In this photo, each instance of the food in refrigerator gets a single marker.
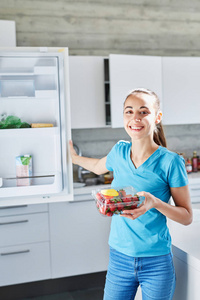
(23, 169)
(13, 122)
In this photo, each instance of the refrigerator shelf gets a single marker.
(30, 131)
(38, 70)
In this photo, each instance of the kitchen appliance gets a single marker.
(34, 86)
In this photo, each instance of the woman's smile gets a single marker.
(136, 128)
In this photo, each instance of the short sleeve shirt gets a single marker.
(147, 235)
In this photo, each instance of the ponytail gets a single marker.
(159, 135)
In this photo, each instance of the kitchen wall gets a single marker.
(154, 27)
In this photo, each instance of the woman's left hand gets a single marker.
(148, 203)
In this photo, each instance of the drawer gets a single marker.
(16, 230)
(30, 262)
(22, 209)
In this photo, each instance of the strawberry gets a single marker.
(112, 207)
(102, 209)
(133, 206)
(109, 214)
(108, 201)
(127, 199)
(122, 193)
(120, 206)
(99, 196)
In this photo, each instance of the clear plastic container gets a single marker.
(115, 200)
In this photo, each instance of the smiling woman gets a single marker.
(140, 242)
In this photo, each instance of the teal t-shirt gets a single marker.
(147, 235)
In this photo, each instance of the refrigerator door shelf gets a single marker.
(29, 131)
(39, 186)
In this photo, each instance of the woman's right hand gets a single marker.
(72, 151)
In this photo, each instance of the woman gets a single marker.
(140, 243)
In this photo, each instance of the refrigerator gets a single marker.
(35, 165)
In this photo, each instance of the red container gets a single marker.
(113, 201)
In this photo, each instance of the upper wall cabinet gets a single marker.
(181, 77)
(129, 72)
(7, 33)
(86, 75)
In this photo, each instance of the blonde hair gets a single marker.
(158, 136)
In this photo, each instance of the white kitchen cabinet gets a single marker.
(7, 33)
(128, 72)
(79, 238)
(24, 263)
(180, 77)
(187, 277)
(86, 75)
(21, 229)
(194, 187)
(24, 244)
(34, 87)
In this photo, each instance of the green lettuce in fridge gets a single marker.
(13, 122)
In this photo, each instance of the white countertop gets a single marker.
(88, 189)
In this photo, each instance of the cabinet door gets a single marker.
(187, 278)
(7, 33)
(86, 75)
(128, 72)
(181, 103)
(79, 239)
(24, 263)
(22, 229)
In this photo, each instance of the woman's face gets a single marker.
(140, 116)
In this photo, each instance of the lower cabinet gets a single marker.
(39, 242)
(79, 238)
(24, 244)
(24, 263)
(187, 277)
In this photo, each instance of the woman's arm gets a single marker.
(181, 212)
(95, 165)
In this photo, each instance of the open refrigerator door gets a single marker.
(35, 126)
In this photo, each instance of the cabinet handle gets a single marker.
(195, 189)
(15, 252)
(14, 222)
(16, 206)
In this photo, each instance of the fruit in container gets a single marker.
(115, 200)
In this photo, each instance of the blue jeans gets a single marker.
(155, 275)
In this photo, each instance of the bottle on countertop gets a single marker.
(194, 162)
(198, 162)
(188, 166)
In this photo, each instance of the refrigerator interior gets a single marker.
(33, 88)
